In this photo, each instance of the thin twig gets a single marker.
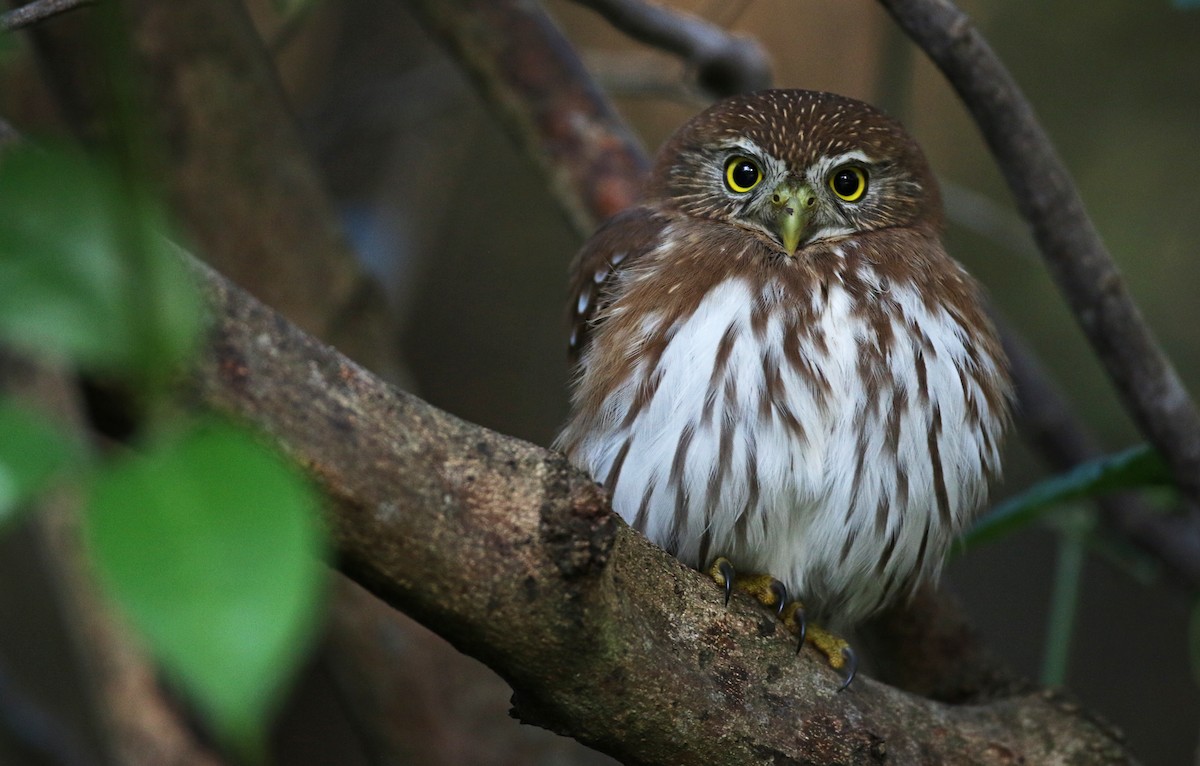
(724, 63)
(644, 74)
(39, 10)
(1070, 244)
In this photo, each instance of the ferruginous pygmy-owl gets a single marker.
(777, 362)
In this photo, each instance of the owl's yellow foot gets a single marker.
(771, 593)
(835, 648)
(765, 588)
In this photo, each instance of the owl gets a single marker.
(778, 368)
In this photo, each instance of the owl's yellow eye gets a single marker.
(848, 182)
(742, 174)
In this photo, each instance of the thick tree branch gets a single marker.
(1069, 242)
(514, 556)
(724, 63)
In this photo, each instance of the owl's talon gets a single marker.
(779, 590)
(850, 669)
(794, 619)
(773, 593)
(840, 655)
(722, 571)
(801, 627)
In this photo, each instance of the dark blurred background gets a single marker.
(473, 251)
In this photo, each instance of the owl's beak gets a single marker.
(793, 204)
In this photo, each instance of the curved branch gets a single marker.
(1070, 244)
(504, 549)
(539, 89)
(724, 63)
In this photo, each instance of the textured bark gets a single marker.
(512, 555)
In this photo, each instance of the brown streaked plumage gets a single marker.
(777, 361)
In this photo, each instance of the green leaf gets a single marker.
(31, 452)
(212, 546)
(1136, 467)
(86, 268)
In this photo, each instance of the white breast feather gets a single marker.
(797, 529)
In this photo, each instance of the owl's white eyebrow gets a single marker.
(854, 156)
(747, 146)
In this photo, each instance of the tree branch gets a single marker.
(40, 10)
(724, 63)
(514, 556)
(1070, 244)
(539, 89)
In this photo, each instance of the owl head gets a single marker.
(796, 167)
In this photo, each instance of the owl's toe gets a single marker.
(765, 589)
(773, 593)
(722, 571)
(794, 619)
(779, 592)
(837, 651)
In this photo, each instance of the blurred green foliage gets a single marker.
(211, 541)
(208, 541)
(1057, 499)
(31, 453)
(87, 270)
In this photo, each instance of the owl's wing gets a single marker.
(618, 244)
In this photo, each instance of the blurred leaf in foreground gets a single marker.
(212, 545)
(31, 452)
(86, 267)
